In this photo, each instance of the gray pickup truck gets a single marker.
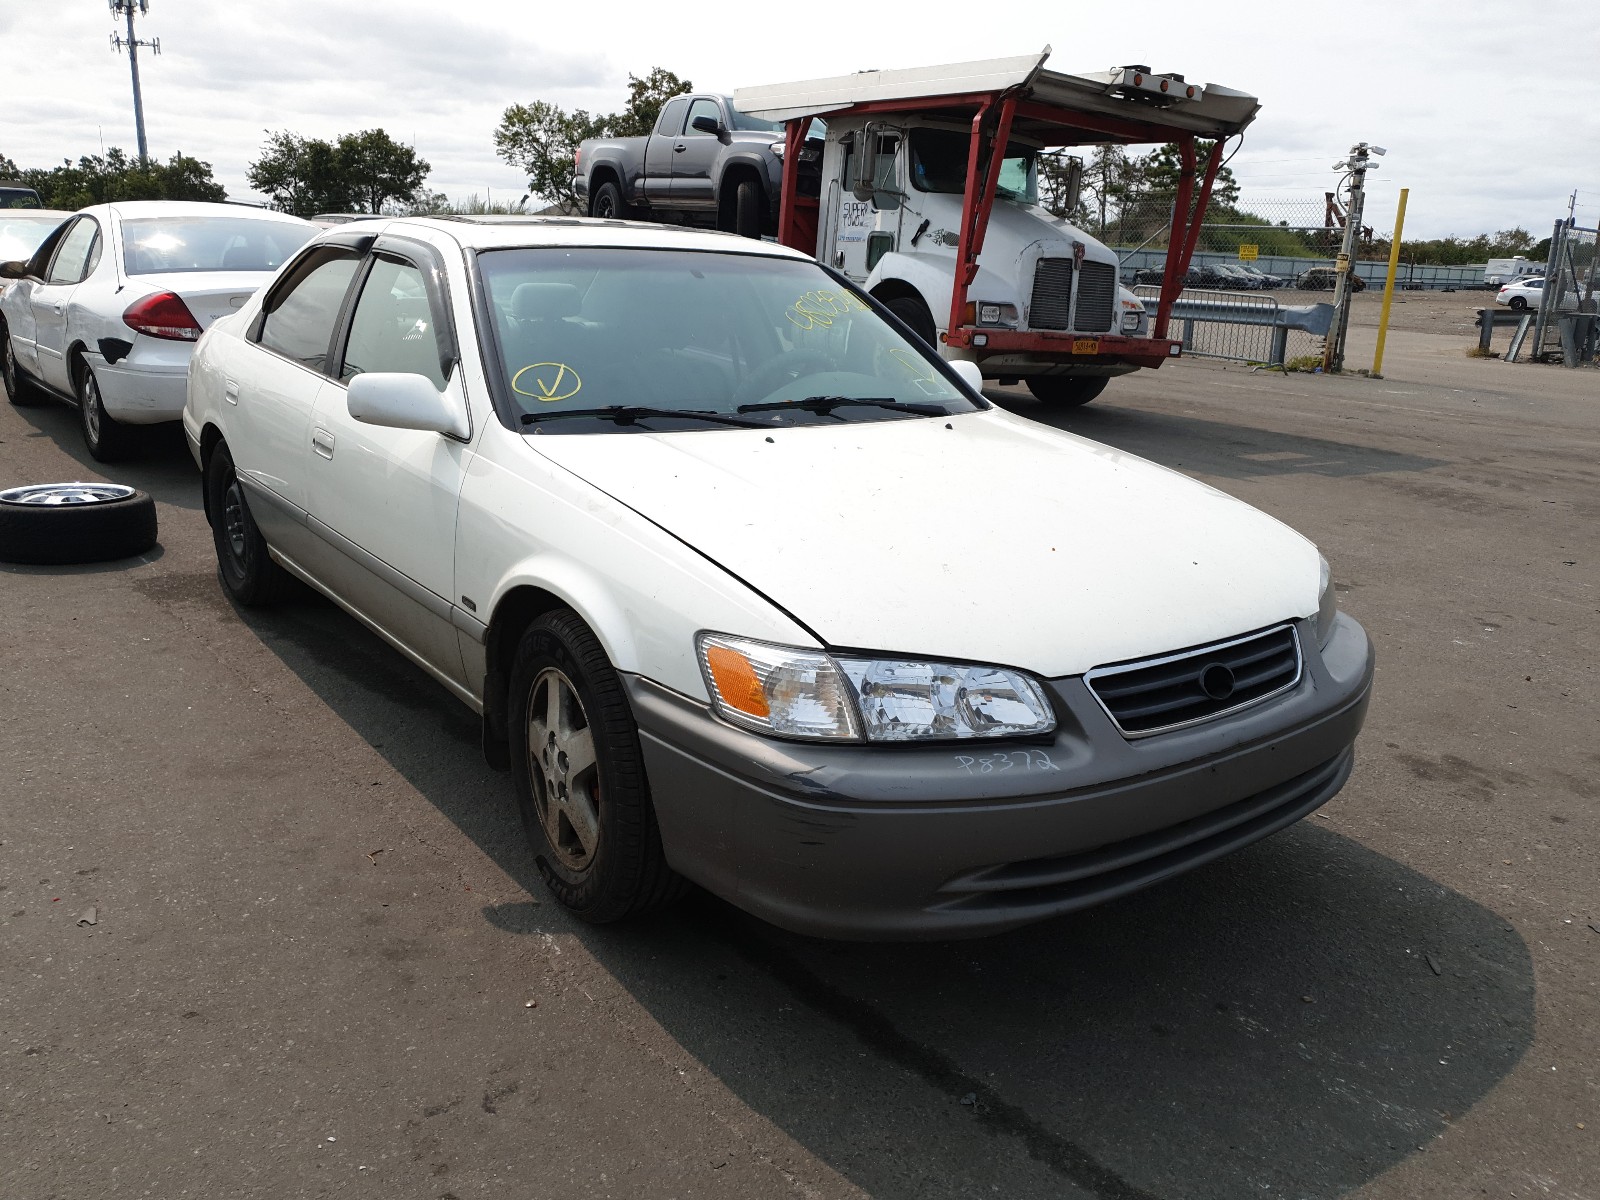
(705, 163)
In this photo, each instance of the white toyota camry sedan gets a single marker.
(106, 312)
(751, 589)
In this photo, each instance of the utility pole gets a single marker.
(1358, 165)
(125, 8)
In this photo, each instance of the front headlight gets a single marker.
(1327, 603)
(797, 693)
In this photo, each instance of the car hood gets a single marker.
(984, 537)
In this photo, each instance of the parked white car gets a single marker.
(752, 589)
(105, 313)
(1522, 294)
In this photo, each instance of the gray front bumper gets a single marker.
(960, 839)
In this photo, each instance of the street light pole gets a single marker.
(125, 8)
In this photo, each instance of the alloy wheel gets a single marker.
(561, 762)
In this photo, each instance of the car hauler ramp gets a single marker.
(1005, 97)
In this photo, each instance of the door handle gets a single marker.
(230, 391)
(322, 442)
(679, 148)
(57, 307)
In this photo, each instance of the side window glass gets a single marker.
(300, 323)
(72, 257)
(702, 108)
(671, 123)
(392, 328)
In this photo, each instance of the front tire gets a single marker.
(1065, 391)
(915, 314)
(19, 389)
(580, 776)
(244, 566)
(1518, 302)
(747, 209)
(107, 438)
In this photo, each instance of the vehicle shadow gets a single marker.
(1290, 1021)
(1215, 448)
(162, 467)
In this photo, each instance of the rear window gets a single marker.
(22, 232)
(160, 245)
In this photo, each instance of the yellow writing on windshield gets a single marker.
(822, 308)
(551, 381)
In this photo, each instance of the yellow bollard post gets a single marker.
(1388, 285)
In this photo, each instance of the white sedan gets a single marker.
(105, 313)
(1521, 294)
(752, 589)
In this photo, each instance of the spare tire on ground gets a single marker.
(58, 523)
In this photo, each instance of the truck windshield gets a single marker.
(939, 164)
(776, 341)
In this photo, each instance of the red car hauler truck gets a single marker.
(929, 201)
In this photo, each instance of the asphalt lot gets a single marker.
(319, 931)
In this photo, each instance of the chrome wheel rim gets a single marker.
(233, 520)
(8, 366)
(562, 768)
(91, 408)
(52, 495)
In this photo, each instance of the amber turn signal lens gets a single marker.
(736, 681)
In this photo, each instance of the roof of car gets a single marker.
(133, 210)
(496, 230)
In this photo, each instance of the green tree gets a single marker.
(542, 138)
(645, 98)
(8, 169)
(360, 171)
(1162, 168)
(375, 169)
(98, 179)
(300, 175)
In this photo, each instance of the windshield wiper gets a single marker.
(627, 414)
(826, 404)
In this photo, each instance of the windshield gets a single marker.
(753, 124)
(586, 328)
(22, 232)
(158, 245)
(939, 164)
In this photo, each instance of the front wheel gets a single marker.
(580, 776)
(915, 314)
(1518, 302)
(1066, 391)
(747, 209)
(19, 389)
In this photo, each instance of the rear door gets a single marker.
(661, 150)
(386, 499)
(74, 258)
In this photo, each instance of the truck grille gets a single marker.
(1196, 685)
(1097, 297)
(1051, 306)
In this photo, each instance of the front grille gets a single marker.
(1195, 685)
(1051, 306)
(1097, 297)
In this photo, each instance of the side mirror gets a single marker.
(404, 401)
(13, 270)
(969, 373)
(707, 125)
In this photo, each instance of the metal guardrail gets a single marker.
(1242, 326)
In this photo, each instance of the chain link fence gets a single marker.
(1267, 244)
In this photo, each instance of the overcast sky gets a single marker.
(1451, 89)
